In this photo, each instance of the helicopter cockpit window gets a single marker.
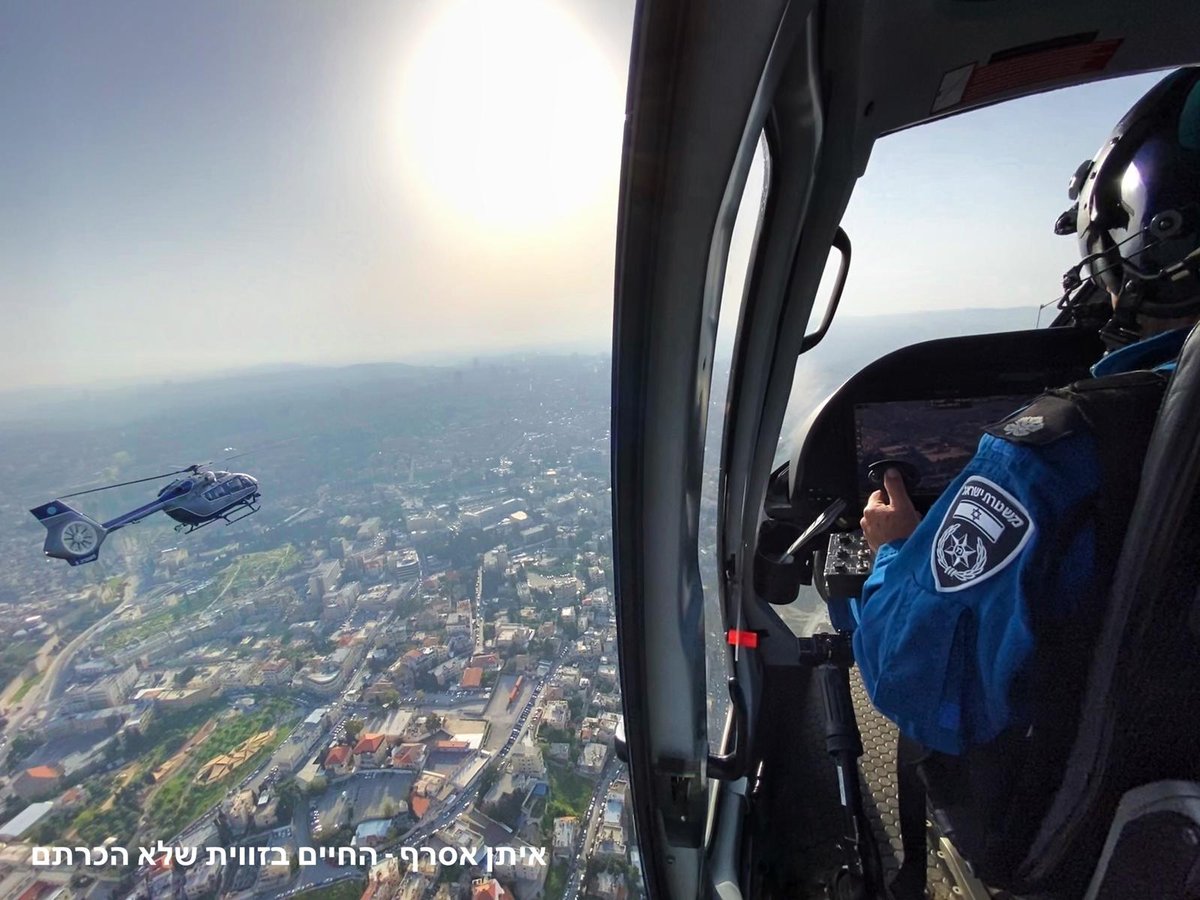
(219, 491)
(741, 242)
(928, 265)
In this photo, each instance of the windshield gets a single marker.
(952, 231)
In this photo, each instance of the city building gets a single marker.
(608, 886)
(488, 889)
(410, 757)
(370, 751)
(408, 564)
(338, 761)
(525, 758)
(38, 782)
(277, 672)
(558, 714)
(566, 835)
(372, 832)
(16, 827)
(592, 759)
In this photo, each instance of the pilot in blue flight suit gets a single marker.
(956, 603)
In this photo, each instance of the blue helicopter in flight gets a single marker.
(198, 498)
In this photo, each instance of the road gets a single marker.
(587, 834)
(50, 686)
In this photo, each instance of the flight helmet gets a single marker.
(1136, 210)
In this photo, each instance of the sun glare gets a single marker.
(512, 117)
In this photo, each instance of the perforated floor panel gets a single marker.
(881, 795)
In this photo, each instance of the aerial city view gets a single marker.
(316, 595)
(446, 452)
(404, 662)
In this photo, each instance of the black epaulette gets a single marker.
(1126, 403)
(1043, 421)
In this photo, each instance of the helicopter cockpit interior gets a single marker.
(804, 794)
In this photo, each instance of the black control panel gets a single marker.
(848, 562)
(922, 409)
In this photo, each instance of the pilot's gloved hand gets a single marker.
(889, 514)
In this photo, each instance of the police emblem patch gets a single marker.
(1024, 425)
(984, 529)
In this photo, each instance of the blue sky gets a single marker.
(192, 187)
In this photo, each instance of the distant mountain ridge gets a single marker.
(852, 342)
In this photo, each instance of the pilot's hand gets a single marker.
(889, 514)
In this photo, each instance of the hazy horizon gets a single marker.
(193, 189)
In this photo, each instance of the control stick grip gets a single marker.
(908, 472)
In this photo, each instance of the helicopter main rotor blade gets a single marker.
(261, 447)
(109, 487)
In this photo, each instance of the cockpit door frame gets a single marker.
(697, 105)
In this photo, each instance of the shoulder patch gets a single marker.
(984, 529)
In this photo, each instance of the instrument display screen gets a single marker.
(938, 437)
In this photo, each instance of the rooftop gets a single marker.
(368, 743)
(24, 820)
(44, 772)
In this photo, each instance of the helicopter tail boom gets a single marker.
(70, 535)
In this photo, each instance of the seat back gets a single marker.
(1153, 848)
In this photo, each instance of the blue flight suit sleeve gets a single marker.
(948, 616)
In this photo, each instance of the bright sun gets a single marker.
(512, 116)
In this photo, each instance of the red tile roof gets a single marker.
(420, 806)
(407, 755)
(36, 890)
(489, 890)
(368, 743)
(337, 756)
(472, 677)
(44, 772)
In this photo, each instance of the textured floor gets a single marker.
(880, 793)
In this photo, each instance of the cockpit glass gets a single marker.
(741, 239)
(952, 234)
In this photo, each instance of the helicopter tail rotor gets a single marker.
(70, 535)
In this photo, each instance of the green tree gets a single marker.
(288, 792)
(22, 746)
(354, 728)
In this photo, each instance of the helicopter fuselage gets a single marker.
(208, 496)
